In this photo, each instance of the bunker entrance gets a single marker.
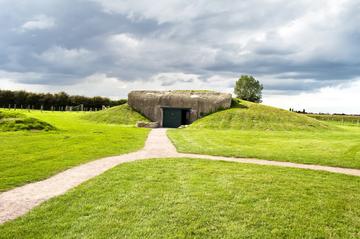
(174, 117)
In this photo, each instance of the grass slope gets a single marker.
(28, 156)
(249, 116)
(14, 121)
(190, 198)
(122, 114)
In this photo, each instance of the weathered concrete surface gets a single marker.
(150, 103)
(150, 125)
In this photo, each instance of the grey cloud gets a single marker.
(208, 38)
(170, 82)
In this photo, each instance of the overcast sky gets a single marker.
(305, 52)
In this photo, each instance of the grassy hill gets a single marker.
(122, 114)
(245, 115)
(14, 121)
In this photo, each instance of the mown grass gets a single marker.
(191, 198)
(246, 115)
(14, 121)
(260, 131)
(122, 114)
(334, 148)
(28, 156)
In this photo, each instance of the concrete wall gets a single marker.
(149, 103)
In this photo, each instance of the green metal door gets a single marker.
(171, 117)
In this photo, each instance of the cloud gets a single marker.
(292, 47)
(124, 40)
(63, 56)
(92, 85)
(17, 76)
(39, 22)
(341, 98)
(163, 11)
(172, 78)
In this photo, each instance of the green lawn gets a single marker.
(331, 147)
(260, 131)
(28, 156)
(191, 198)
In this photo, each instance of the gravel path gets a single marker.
(18, 201)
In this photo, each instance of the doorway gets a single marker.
(174, 117)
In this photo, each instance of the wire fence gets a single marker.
(343, 119)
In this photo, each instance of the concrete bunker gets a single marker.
(174, 108)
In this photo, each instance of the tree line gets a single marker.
(57, 101)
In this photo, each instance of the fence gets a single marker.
(343, 119)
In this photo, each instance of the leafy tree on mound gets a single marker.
(247, 88)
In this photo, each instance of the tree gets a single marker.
(247, 88)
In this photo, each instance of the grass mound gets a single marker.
(245, 115)
(13, 121)
(122, 114)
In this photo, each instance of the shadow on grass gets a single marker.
(236, 103)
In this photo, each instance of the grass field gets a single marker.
(334, 148)
(190, 198)
(259, 131)
(28, 156)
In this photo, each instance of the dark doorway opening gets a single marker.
(174, 117)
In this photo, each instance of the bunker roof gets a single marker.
(205, 94)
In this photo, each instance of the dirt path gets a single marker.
(18, 201)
